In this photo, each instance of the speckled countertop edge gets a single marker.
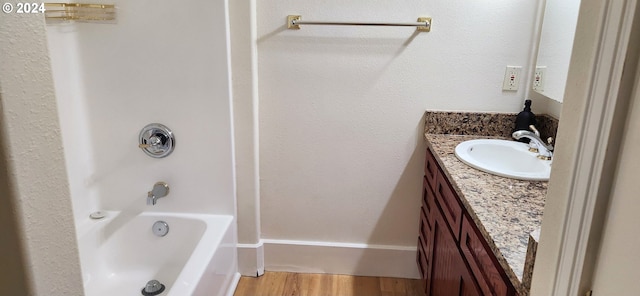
(505, 210)
(483, 123)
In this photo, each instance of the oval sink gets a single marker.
(504, 158)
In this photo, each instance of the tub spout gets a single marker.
(151, 199)
(160, 189)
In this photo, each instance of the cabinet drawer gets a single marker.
(426, 273)
(449, 204)
(482, 264)
(425, 226)
(428, 201)
(430, 169)
(426, 236)
(421, 259)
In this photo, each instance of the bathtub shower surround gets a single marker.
(112, 79)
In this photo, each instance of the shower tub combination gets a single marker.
(114, 78)
(120, 254)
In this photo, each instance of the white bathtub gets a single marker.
(120, 254)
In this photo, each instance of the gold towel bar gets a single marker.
(86, 12)
(422, 25)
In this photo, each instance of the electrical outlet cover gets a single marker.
(511, 78)
(538, 78)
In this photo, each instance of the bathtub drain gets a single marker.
(153, 288)
(160, 228)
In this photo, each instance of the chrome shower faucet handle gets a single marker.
(156, 140)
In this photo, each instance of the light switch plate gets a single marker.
(511, 78)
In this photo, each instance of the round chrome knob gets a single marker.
(156, 140)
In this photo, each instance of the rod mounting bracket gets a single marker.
(291, 19)
(426, 28)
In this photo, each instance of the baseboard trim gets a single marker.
(251, 259)
(340, 258)
(233, 285)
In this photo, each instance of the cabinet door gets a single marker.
(468, 284)
(444, 263)
(480, 260)
(449, 275)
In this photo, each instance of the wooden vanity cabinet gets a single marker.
(449, 274)
(453, 257)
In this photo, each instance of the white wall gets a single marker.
(556, 43)
(242, 18)
(157, 63)
(38, 185)
(616, 270)
(245, 101)
(341, 144)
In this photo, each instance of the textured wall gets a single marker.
(341, 147)
(12, 254)
(37, 173)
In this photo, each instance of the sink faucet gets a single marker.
(533, 146)
(160, 189)
(543, 149)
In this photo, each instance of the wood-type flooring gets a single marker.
(301, 284)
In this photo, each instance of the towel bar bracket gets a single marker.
(292, 20)
(426, 27)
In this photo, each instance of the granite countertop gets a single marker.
(505, 210)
